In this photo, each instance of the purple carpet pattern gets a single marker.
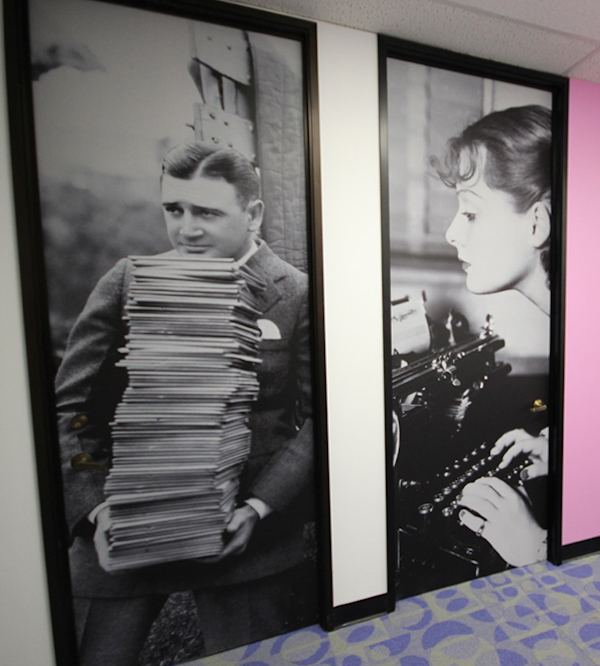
(539, 614)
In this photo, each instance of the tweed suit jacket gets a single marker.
(279, 470)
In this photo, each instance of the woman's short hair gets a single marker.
(197, 159)
(517, 144)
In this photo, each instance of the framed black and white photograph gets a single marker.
(472, 203)
(164, 160)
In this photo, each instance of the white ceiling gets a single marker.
(559, 36)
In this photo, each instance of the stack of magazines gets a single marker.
(180, 432)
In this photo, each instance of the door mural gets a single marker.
(468, 192)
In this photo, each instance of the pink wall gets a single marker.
(581, 497)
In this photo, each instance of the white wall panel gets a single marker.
(348, 89)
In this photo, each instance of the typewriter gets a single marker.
(447, 415)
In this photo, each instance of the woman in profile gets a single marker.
(500, 168)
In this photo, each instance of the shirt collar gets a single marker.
(244, 260)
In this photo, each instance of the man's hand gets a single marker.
(518, 442)
(237, 533)
(239, 530)
(101, 538)
(503, 518)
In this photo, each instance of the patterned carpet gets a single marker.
(539, 614)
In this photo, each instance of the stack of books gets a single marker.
(180, 432)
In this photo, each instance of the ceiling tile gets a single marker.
(588, 69)
(448, 26)
(577, 17)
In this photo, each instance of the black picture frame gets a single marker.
(393, 50)
(32, 248)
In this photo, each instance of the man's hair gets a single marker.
(197, 159)
(517, 144)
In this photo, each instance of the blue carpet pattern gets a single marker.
(540, 614)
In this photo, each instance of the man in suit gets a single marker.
(212, 208)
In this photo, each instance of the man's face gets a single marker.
(205, 218)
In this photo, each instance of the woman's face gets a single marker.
(494, 243)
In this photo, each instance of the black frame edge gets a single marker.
(445, 59)
(557, 333)
(392, 553)
(580, 548)
(358, 611)
(31, 267)
(244, 17)
(318, 318)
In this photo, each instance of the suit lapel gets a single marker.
(268, 267)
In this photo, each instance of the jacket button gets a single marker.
(81, 461)
(79, 421)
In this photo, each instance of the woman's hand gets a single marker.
(520, 441)
(501, 515)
